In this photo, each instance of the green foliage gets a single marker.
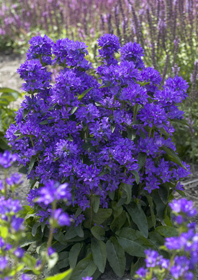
(7, 114)
(186, 132)
(111, 235)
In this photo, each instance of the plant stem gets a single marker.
(5, 183)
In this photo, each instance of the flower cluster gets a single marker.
(183, 248)
(50, 194)
(91, 133)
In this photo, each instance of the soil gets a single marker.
(10, 78)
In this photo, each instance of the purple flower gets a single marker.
(70, 53)
(87, 278)
(35, 75)
(25, 277)
(151, 258)
(51, 251)
(40, 48)
(133, 52)
(53, 191)
(14, 179)
(184, 206)
(109, 44)
(141, 272)
(3, 263)
(62, 218)
(7, 159)
(17, 223)
(19, 253)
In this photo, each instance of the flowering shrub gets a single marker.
(106, 134)
(183, 248)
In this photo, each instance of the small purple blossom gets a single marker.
(53, 191)
(51, 251)
(19, 253)
(7, 159)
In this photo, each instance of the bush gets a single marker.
(106, 132)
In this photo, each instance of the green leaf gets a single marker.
(14, 270)
(58, 247)
(23, 170)
(63, 260)
(173, 157)
(135, 266)
(138, 216)
(32, 161)
(3, 144)
(79, 230)
(3, 232)
(150, 201)
(74, 253)
(84, 93)
(61, 276)
(98, 232)
(156, 239)
(95, 203)
(99, 253)
(29, 239)
(85, 267)
(73, 110)
(71, 233)
(9, 90)
(132, 247)
(113, 128)
(129, 233)
(137, 177)
(163, 193)
(35, 227)
(101, 215)
(181, 193)
(96, 218)
(117, 210)
(127, 188)
(167, 231)
(118, 222)
(29, 261)
(141, 159)
(122, 201)
(44, 122)
(116, 256)
(160, 206)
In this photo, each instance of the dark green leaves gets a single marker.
(99, 253)
(98, 232)
(74, 253)
(138, 216)
(86, 267)
(116, 256)
(167, 231)
(132, 247)
(96, 218)
(141, 159)
(172, 156)
(137, 177)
